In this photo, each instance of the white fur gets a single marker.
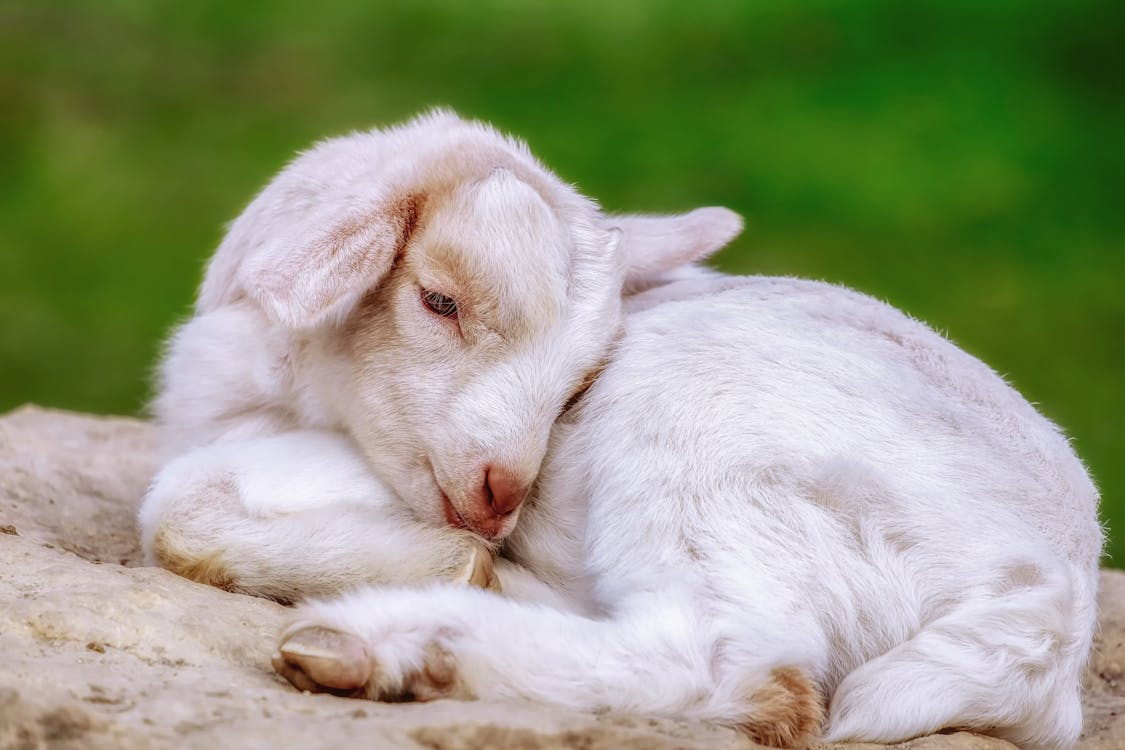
(776, 472)
(769, 473)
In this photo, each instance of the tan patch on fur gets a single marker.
(408, 215)
(209, 569)
(1022, 576)
(786, 711)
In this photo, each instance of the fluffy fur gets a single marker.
(779, 501)
(322, 425)
(775, 474)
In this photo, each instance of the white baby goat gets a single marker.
(781, 506)
(781, 502)
(399, 314)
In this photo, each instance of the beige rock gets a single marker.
(99, 652)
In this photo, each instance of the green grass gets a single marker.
(963, 160)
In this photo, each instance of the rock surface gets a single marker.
(99, 652)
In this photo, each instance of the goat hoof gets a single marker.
(320, 660)
(438, 677)
(479, 570)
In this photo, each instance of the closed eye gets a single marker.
(439, 304)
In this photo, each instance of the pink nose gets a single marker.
(503, 490)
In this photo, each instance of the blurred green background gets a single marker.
(961, 159)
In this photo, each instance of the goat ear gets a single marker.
(652, 245)
(315, 273)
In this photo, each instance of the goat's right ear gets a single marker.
(652, 245)
(313, 270)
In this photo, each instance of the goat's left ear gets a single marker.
(652, 245)
(317, 271)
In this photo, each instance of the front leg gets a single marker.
(451, 642)
(295, 515)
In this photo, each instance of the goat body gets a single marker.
(781, 505)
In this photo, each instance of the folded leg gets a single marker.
(445, 641)
(295, 515)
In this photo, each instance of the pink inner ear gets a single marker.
(318, 283)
